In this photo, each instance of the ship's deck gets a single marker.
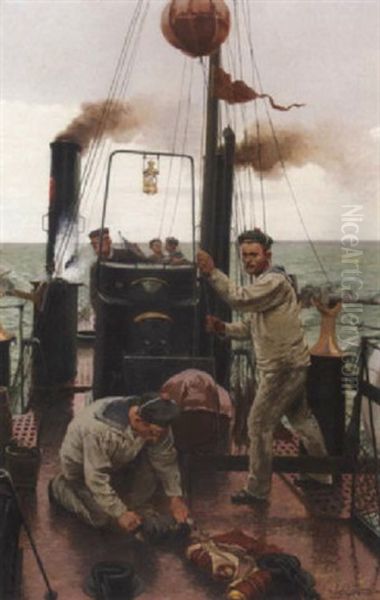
(324, 540)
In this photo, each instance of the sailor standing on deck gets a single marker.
(271, 320)
(112, 434)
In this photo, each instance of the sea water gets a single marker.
(24, 263)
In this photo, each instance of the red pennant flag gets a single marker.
(235, 92)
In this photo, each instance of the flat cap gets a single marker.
(98, 232)
(158, 411)
(172, 240)
(257, 236)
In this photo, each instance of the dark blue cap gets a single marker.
(172, 240)
(257, 236)
(98, 232)
(158, 411)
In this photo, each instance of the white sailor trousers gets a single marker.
(279, 393)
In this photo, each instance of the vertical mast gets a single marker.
(209, 174)
(216, 214)
(217, 180)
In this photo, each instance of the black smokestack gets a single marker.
(64, 195)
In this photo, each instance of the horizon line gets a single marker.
(372, 240)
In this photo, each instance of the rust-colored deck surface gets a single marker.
(342, 565)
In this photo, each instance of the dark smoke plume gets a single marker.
(345, 153)
(117, 119)
(264, 154)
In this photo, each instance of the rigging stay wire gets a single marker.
(184, 140)
(97, 142)
(65, 238)
(203, 133)
(118, 85)
(235, 68)
(231, 118)
(241, 208)
(173, 146)
(105, 145)
(244, 181)
(247, 23)
(283, 167)
(122, 69)
(186, 110)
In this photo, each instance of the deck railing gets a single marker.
(365, 505)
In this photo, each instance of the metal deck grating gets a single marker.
(366, 500)
(329, 503)
(25, 430)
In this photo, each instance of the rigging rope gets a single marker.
(252, 221)
(188, 107)
(115, 87)
(102, 146)
(97, 143)
(173, 147)
(231, 119)
(106, 144)
(247, 21)
(248, 31)
(203, 133)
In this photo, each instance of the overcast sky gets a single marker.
(57, 54)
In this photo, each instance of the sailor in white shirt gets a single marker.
(271, 320)
(107, 436)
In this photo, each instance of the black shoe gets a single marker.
(245, 497)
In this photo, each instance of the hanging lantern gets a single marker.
(150, 174)
(197, 27)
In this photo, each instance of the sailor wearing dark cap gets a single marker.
(129, 435)
(95, 233)
(256, 236)
(174, 255)
(172, 240)
(101, 242)
(270, 318)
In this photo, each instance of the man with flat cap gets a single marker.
(129, 436)
(271, 320)
(174, 255)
